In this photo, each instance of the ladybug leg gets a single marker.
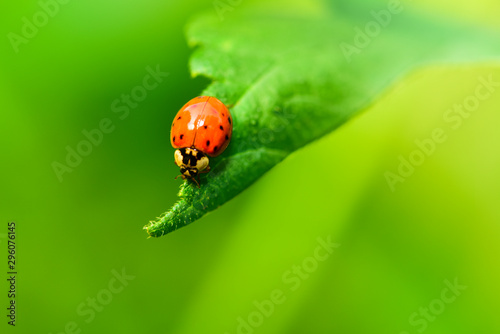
(205, 170)
(195, 181)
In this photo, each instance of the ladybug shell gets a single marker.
(203, 123)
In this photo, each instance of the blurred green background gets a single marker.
(397, 249)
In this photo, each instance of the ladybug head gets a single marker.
(191, 162)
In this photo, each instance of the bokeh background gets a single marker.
(397, 249)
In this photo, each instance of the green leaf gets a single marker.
(295, 72)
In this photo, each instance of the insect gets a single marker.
(201, 129)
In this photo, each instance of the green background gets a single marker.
(396, 250)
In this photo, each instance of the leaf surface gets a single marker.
(291, 76)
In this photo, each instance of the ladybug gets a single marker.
(201, 129)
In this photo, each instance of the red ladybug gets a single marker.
(201, 129)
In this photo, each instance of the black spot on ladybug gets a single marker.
(223, 115)
(221, 127)
(206, 127)
(173, 124)
(174, 139)
(178, 118)
(227, 137)
(182, 136)
(208, 142)
(229, 119)
(215, 148)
